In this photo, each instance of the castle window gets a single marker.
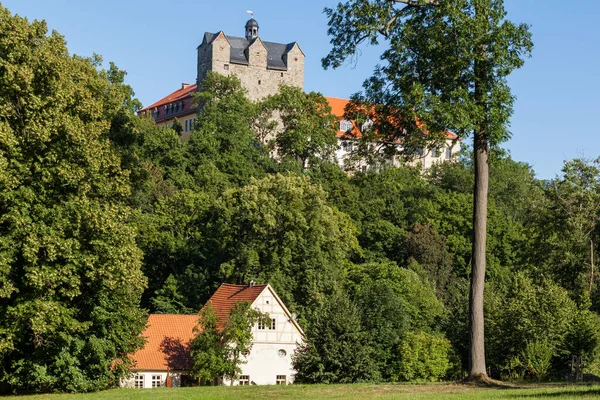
(281, 380)
(259, 82)
(244, 380)
(226, 67)
(282, 74)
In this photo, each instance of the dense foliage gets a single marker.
(104, 216)
(70, 269)
(218, 350)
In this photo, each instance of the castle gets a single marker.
(262, 67)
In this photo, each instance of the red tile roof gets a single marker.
(168, 343)
(227, 295)
(180, 94)
(339, 105)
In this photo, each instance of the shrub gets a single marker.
(423, 357)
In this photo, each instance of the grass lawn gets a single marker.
(356, 391)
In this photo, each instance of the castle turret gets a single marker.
(251, 29)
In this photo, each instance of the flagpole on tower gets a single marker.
(251, 13)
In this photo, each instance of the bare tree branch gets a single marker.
(385, 29)
(417, 3)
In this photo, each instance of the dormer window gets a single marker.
(345, 125)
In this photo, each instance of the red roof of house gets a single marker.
(227, 295)
(168, 343)
(180, 94)
(339, 105)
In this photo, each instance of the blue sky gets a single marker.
(155, 42)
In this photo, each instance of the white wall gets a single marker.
(129, 382)
(264, 362)
(426, 161)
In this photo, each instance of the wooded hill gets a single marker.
(105, 217)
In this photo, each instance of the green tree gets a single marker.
(384, 320)
(544, 312)
(70, 276)
(224, 150)
(308, 129)
(445, 68)
(237, 336)
(571, 224)
(337, 349)
(220, 347)
(206, 348)
(176, 126)
(281, 230)
(422, 357)
(168, 300)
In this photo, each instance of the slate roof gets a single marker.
(251, 23)
(168, 340)
(275, 51)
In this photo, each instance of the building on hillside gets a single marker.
(178, 104)
(165, 358)
(260, 65)
(348, 135)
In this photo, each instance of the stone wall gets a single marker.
(258, 80)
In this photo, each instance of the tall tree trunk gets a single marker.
(477, 370)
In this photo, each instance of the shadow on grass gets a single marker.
(563, 393)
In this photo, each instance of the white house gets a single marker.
(348, 136)
(165, 359)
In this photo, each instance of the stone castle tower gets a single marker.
(261, 66)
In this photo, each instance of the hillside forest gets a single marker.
(105, 217)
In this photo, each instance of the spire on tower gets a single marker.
(251, 27)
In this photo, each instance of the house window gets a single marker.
(186, 125)
(156, 381)
(282, 353)
(272, 324)
(367, 125)
(226, 67)
(282, 74)
(345, 125)
(281, 380)
(139, 381)
(436, 152)
(244, 380)
(448, 153)
(347, 145)
(261, 325)
(259, 82)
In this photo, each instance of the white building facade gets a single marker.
(164, 361)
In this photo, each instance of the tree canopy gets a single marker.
(70, 276)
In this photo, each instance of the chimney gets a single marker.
(251, 284)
